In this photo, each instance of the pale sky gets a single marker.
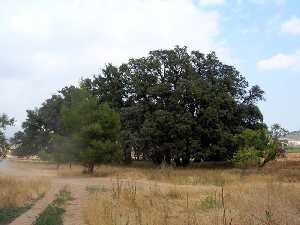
(46, 45)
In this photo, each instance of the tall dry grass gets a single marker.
(249, 200)
(285, 171)
(16, 191)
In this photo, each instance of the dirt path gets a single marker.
(77, 186)
(73, 214)
(30, 216)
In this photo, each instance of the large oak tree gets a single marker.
(174, 106)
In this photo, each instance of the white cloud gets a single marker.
(264, 2)
(291, 26)
(212, 2)
(45, 45)
(281, 61)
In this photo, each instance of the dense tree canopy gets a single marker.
(174, 106)
(93, 127)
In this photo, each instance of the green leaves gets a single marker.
(95, 128)
(277, 131)
(4, 122)
(172, 106)
(246, 157)
(258, 144)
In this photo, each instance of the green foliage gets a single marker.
(183, 106)
(246, 157)
(95, 128)
(64, 150)
(9, 214)
(271, 151)
(257, 139)
(258, 144)
(40, 125)
(276, 146)
(170, 106)
(293, 149)
(4, 122)
(277, 131)
(53, 214)
(62, 197)
(253, 145)
(45, 156)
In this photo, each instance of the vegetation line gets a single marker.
(7, 215)
(293, 149)
(53, 214)
(172, 107)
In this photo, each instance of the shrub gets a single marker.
(45, 156)
(53, 214)
(246, 157)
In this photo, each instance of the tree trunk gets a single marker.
(187, 156)
(91, 167)
(157, 159)
(177, 161)
(127, 155)
(168, 157)
(264, 163)
(186, 160)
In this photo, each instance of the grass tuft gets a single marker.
(7, 215)
(210, 202)
(53, 214)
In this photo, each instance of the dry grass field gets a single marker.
(141, 194)
(239, 203)
(16, 191)
(268, 196)
(286, 170)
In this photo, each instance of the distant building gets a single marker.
(291, 142)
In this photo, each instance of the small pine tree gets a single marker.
(94, 128)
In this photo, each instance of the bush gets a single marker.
(53, 214)
(271, 152)
(45, 156)
(246, 157)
